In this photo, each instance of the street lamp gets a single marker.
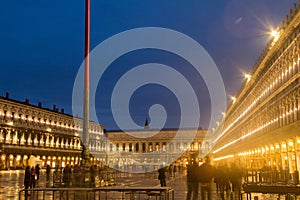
(247, 77)
(233, 99)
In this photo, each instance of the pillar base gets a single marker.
(86, 162)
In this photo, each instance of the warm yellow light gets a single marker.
(10, 123)
(247, 76)
(274, 33)
(233, 99)
(267, 148)
(223, 157)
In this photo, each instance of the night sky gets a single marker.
(42, 47)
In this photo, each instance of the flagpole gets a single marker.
(86, 102)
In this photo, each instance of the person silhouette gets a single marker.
(162, 176)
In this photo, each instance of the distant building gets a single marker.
(134, 150)
(50, 135)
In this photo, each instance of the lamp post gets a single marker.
(86, 101)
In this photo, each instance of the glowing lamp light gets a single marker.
(10, 123)
(247, 77)
(275, 35)
(233, 99)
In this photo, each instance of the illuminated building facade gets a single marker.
(52, 137)
(152, 148)
(262, 124)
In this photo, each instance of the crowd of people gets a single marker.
(31, 178)
(168, 172)
(200, 179)
(62, 177)
(228, 180)
(75, 176)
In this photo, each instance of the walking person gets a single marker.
(206, 176)
(162, 176)
(192, 181)
(27, 181)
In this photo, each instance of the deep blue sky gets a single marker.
(42, 43)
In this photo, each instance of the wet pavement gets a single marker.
(11, 182)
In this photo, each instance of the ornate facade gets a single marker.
(52, 137)
(262, 125)
(151, 148)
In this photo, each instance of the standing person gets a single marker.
(174, 170)
(92, 175)
(223, 176)
(170, 170)
(32, 181)
(37, 172)
(76, 176)
(236, 176)
(27, 180)
(67, 176)
(192, 180)
(218, 178)
(162, 176)
(48, 171)
(206, 176)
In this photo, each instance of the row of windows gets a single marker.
(273, 81)
(150, 147)
(271, 101)
(275, 72)
(278, 113)
(8, 136)
(45, 119)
